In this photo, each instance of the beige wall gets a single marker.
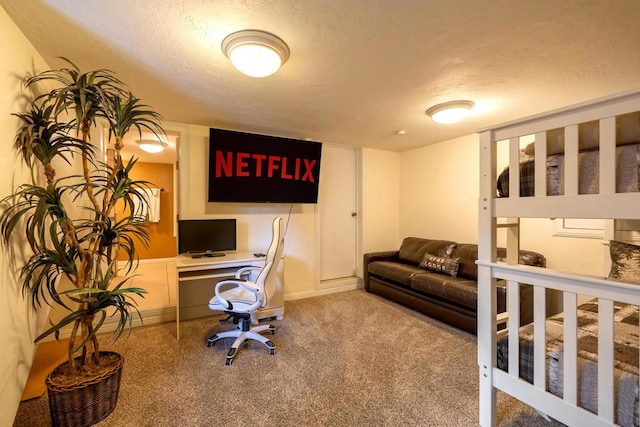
(430, 191)
(439, 199)
(253, 220)
(18, 324)
(380, 178)
(380, 200)
(439, 191)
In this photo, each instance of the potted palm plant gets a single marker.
(78, 226)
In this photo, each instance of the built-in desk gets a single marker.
(197, 278)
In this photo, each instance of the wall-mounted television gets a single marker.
(254, 168)
(206, 237)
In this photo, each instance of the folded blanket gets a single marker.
(627, 160)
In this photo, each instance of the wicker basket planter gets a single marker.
(85, 403)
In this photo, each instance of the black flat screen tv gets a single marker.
(206, 237)
(253, 168)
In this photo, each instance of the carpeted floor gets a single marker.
(346, 359)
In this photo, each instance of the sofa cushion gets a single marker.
(468, 254)
(413, 249)
(453, 289)
(394, 271)
(440, 265)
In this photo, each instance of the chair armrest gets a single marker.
(250, 286)
(245, 270)
(376, 256)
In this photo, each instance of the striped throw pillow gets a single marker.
(440, 265)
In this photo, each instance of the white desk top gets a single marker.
(231, 259)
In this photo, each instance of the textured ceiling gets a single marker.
(359, 70)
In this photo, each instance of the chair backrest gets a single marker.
(268, 276)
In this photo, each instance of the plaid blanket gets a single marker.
(527, 178)
(627, 176)
(626, 349)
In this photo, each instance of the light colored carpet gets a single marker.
(347, 359)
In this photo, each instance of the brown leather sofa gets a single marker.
(397, 276)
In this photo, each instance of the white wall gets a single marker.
(253, 220)
(380, 200)
(439, 191)
(18, 323)
(379, 216)
(439, 199)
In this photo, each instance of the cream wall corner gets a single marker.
(439, 190)
(18, 323)
(380, 200)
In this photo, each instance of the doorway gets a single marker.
(338, 218)
(156, 268)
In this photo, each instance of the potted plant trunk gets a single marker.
(78, 226)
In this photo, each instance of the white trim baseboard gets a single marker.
(149, 317)
(340, 282)
(168, 314)
(352, 285)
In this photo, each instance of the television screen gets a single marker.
(246, 167)
(206, 236)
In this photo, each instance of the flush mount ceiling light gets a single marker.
(450, 112)
(152, 146)
(255, 53)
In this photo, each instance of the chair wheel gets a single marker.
(271, 346)
(212, 340)
(272, 330)
(228, 362)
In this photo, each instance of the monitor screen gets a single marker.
(202, 236)
(253, 168)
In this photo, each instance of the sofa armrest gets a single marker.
(376, 256)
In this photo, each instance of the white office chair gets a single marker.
(240, 298)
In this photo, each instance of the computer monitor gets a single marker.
(206, 237)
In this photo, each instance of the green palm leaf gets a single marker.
(70, 223)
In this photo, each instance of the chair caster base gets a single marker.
(230, 355)
(271, 346)
(242, 337)
(212, 340)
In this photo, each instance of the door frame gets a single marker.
(356, 281)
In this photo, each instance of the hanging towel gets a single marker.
(140, 208)
(152, 196)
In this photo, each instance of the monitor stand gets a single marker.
(206, 254)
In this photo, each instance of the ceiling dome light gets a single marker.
(152, 146)
(450, 112)
(255, 53)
